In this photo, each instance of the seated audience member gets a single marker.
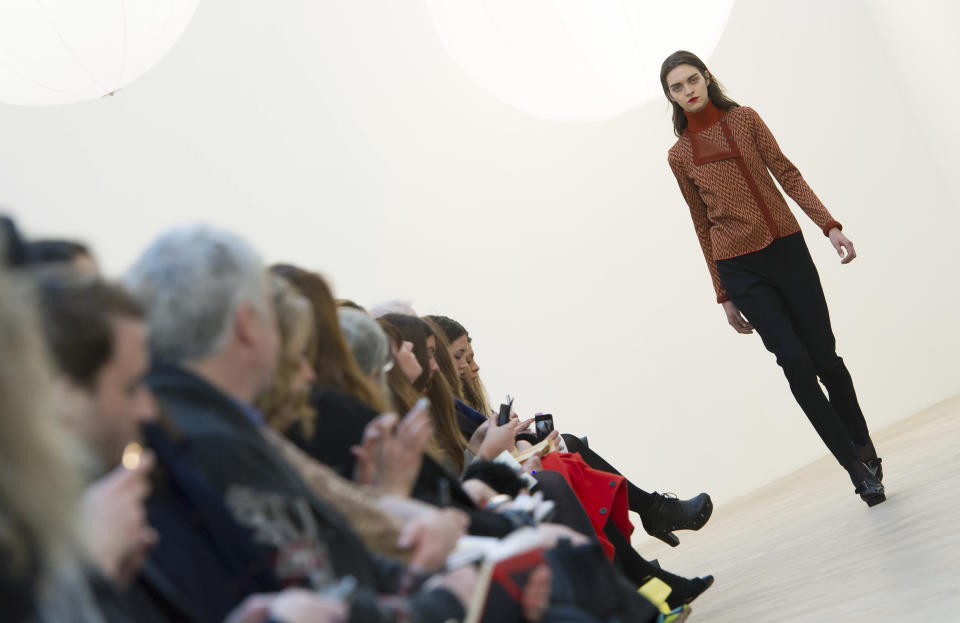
(369, 346)
(66, 252)
(660, 514)
(435, 387)
(97, 338)
(213, 334)
(343, 400)
(39, 486)
(392, 307)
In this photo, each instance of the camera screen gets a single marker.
(544, 426)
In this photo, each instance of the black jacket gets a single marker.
(308, 542)
(205, 561)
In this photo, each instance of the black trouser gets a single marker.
(778, 290)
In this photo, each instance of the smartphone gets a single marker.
(543, 424)
(505, 410)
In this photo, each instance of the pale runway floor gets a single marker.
(805, 548)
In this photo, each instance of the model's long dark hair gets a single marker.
(714, 88)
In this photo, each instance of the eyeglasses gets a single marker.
(389, 365)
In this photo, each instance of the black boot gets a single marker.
(868, 454)
(667, 514)
(684, 590)
(866, 484)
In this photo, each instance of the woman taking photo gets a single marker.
(759, 263)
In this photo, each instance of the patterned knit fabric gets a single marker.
(723, 163)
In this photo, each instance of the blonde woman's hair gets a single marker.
(280, 406)
(39, 474)
(475, 395)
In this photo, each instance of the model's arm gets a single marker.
(787, 175)
(798, 189)
(698, 211)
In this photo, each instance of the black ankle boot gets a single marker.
(686, 590)
(667, 513)
(866, 484)
(868, 454)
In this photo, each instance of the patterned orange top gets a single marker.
(723, 163)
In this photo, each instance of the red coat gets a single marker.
(603, 495)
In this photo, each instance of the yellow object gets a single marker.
(656, 592)
(131, 455)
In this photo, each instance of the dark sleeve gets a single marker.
(434, 485)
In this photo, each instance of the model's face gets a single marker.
(407, 361)
(688, 87)
(458, 352)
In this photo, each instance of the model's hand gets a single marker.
(736, 319)
(843, 246)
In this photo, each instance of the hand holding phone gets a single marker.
(505, 410)
(544, 425)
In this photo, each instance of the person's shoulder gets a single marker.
(242, 460)
(676, 151)
(744, 113)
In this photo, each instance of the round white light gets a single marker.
(63, 51)
(574, 60)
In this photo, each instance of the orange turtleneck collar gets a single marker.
(697, 121)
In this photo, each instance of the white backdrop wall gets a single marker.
(340, 136)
